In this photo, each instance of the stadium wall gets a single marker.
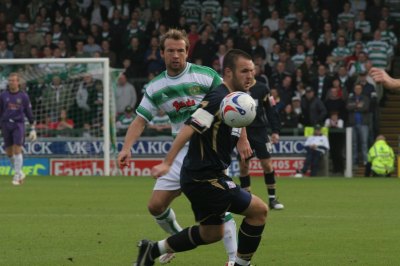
(75, 156)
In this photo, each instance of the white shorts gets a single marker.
(171, 181)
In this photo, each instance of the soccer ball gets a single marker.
(238, 109)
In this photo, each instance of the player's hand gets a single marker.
(244, 149)
(378, 75)
(123, 158)
(160, 170)
(274, 138)
(32, 135)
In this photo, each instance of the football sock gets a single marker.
(187, 239)
(18, 161)
(167, 221)
(245, 182)
(230, 239)
(11, 162)
(249, 238)
(269, 179)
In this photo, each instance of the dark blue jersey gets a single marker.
(14, 107)
(267, 116)
(209, 149)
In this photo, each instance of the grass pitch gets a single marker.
(98, 221)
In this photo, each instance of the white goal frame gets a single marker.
(106, 94)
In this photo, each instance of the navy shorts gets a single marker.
(259, 142)
(211, 198)
(13, 134)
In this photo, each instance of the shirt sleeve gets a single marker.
(28, 110)
(147, 108)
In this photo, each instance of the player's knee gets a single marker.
(259, 212)
(156, 208)
(267, 165)
(212, 236)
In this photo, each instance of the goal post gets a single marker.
(72, 70)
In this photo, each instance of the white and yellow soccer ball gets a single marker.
(238, 109)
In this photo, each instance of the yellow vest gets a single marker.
(381, 157)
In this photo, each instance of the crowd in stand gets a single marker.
(315, 55)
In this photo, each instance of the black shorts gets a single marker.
(259, 142)
(211, 198)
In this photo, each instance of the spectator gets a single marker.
(316, 146)
(208, 21)
(32, 9)
(135, 54)
(124, 120)
(345, 16)
(224, 33)
(122, 7)
(266, 40)
(91, 46)
(273, 21)
(336, 141)
(313, 109)
(256, 50)
(289, 65)
(169, 13)
(380, 158)
(154, 23)
(22, 48)
(4, 52)
(280, 34)
(152, 57)
(33, 37)
(326, 44)
(96, 12)
(289, 118)
(85, 99)
(335, 103)
(191, 10)
(106, 52)
(64, 124)
(56, 97)
(203, 49)
(322, 83)
(125, 94)
(340, 52)
(227, 16)
(379, 52)
(79, 52)
(160, 124)
(359, 119)
(359, 65)
(300, 56)
(362, 23)
(286, 91)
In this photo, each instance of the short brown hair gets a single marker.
(174, 34)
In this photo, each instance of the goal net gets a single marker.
(73, 105)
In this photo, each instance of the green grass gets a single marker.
(98, 220)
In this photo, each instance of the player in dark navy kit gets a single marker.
(14, 107)
(203, 179)
(257, 134)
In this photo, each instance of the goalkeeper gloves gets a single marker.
(32, 135)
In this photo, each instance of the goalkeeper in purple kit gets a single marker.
(14, 107)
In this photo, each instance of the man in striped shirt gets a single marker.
(379, 52)
(177, 91)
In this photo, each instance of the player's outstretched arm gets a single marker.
(380, 76)
(184, 136)
(135, 130)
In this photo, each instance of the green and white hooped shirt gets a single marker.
(178, 96)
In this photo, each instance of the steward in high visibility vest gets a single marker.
(380, 158)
